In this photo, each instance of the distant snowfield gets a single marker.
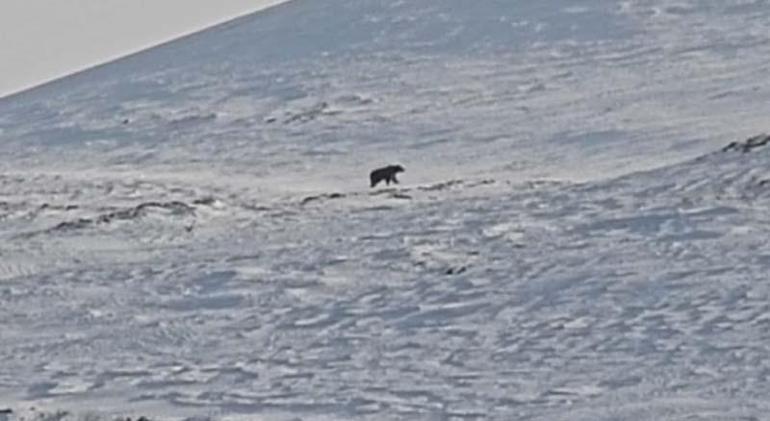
(43, 40)
(189, 232)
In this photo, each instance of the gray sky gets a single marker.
(42, 40)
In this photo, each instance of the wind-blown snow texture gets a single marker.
(189, 231)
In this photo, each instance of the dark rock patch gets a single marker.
(47, 206)
(176, 208)
(206, 201)
(321, 197)
(442, 186)
(749, 144)
(307, 115)
(72, 225)
(456, 270)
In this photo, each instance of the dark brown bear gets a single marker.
(386, 173)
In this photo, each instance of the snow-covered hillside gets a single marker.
(189, 231)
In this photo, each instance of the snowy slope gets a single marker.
(189, 231)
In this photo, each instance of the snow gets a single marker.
(189, 232)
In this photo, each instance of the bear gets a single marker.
(386, 173)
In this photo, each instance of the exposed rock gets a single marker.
(321, 196)
(456, 271)
(207, 201)
(442, 186)
(309, 114)
(176, 207)
(71, 225)
(749, 144)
